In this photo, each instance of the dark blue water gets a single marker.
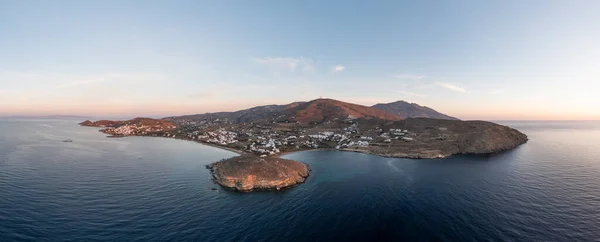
(155, 189)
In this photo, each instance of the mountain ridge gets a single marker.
(319, 110)
(411, 110)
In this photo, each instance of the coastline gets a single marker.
(427, 139)
(239, 152)
(406, 153)
(249, 171)
(279, 155)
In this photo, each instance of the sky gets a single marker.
(472, 59)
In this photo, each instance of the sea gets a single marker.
(158, 189)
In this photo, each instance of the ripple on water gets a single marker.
(154, 189)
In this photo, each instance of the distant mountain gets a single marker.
(247, 115)
(319, 110)
(322, 110)
(48, 117)
(411, 110)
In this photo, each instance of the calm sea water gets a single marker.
(155, 189)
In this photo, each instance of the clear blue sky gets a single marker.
(471, 59)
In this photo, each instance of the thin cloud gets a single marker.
(451, 87)
(410, 77)
(412, 94)
(83, 82)
(286, 64)
(338, 68)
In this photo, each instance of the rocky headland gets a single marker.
(136, 126)
(250, 172)
(263, 133)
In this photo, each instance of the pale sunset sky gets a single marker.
(491, 60)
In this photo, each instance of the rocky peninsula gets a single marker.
(263, 133)
(250, 172)
(136, 126)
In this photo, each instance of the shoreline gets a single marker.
(279, 155)
(242, 153)
(252, 173)
(272, 172)
(239, 152)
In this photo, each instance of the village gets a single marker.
(272, 139)
(268, 135)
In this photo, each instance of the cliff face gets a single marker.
(247, 173)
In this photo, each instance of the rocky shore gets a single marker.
(250, 173)
(437, 138)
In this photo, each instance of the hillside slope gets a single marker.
(322, 110)
(411, 110)
(319, 110)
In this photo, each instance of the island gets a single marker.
(261, 134)
(250, 172)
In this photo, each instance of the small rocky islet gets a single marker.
(249, 172)
(263, 133)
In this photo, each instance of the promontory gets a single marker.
(250, 172)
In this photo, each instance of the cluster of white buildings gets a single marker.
(135, 129)
(220, 136)
(343, 141)
(268, 147)
(398, 134)
(268, 141)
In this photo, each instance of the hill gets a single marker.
(411, 110)
(323, 110)
(319, 110)
(254, 114)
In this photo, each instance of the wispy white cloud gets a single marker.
(412, 94)
(278, 65)
(410, 77)
(451, 86)
(338, 68)
(82, 82)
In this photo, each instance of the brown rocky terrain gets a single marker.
(318, 110)
(249, 172)
(438, 138)
(323, 110)
(255, 114)
(411, 110)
